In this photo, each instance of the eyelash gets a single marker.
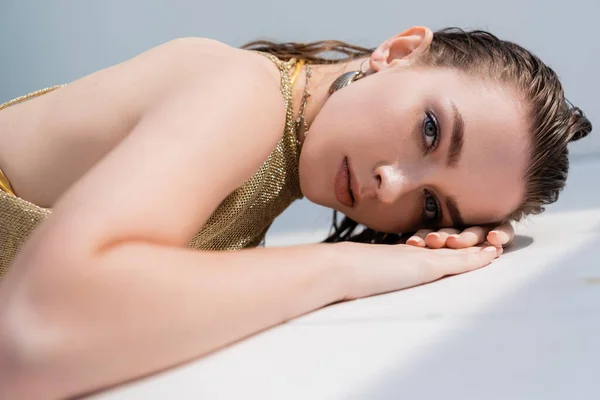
(430, 116)
(428, 148)
(427, 220)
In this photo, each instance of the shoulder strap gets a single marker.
(287, 91)
(29, 96)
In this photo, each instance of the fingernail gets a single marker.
(414, 239)
(501, 236)
(490, 249)
(435, 235)
(453, 236)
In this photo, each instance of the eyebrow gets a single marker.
(457, 220)
(456, 139)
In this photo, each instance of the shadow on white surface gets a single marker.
(541, 342)
(519, 242)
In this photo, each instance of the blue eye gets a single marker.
(431, 208)
(431, 132)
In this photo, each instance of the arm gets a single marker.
(140, 308)
(104, 292)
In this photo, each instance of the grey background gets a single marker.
(48, 42)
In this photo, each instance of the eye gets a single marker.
(431, 208)
(431, 132)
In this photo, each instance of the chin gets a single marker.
(315, 182)
(308, 184)
(310, 192)
(313, 193)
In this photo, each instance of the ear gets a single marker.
(401, 49)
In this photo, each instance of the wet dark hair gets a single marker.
(554, 122)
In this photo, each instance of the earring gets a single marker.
(347, 78)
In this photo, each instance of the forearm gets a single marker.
(140, 308)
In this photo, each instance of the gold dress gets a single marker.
(240, 221)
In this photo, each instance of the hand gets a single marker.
(381, 269)
(498, 237)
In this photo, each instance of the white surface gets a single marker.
(525, 327)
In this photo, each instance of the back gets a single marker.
(49, 142)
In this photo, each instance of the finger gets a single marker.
(501, 235)
(500, 250)
(418, 239)
(469, 237)
(475, 249)
(437, 240)
(468, 261)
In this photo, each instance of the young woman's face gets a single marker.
(424, 147)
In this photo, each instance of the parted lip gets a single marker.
(341, 184)
(354, 185)
(346, 185)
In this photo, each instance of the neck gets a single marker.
(323, 76)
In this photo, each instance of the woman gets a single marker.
(183, 146)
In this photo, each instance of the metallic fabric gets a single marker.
(240, 221)
(244, 216)
(18, 218)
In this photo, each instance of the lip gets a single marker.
(345, 185)
(353, 184)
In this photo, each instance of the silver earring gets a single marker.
(347, 78)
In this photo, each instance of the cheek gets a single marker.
(401, 217)
(367, 123)
(374, 128)
(351, 114)
(369, 106)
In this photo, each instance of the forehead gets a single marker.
(488, 180)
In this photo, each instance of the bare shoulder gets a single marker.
(207, 54)
(205, 63)
(212, 67)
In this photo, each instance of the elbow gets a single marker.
(36, 355)
(34, 334)
(23, 356)
(16, 364)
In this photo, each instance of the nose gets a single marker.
(392, 183)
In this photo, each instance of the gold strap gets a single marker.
(297, 70)
(5, 184)
(31, 95)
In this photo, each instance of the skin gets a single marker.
(118, 248)
(388, 157)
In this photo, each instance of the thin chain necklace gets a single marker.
(301, 119)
